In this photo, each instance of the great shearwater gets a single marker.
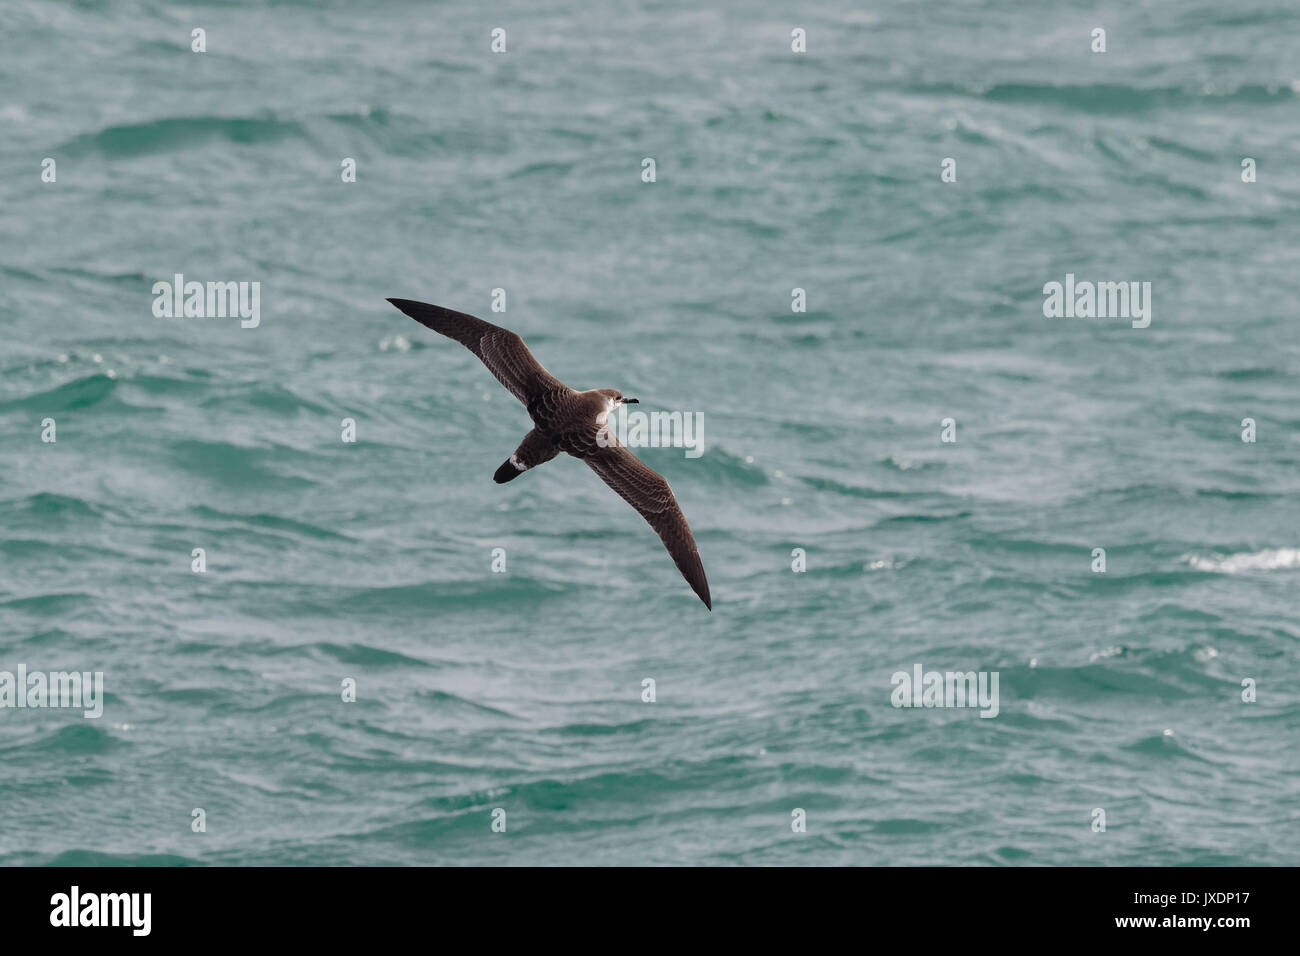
(570, 421)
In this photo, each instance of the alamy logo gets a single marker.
(638, 429)
(212, 300)
(53, 689)
(1098, 300)
(102, 909)
(923, 688)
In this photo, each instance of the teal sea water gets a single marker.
(327, 560)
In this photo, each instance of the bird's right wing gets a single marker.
(502, 351)
(647, 491)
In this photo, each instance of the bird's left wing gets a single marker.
(646, 490)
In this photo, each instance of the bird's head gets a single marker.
(616, 398)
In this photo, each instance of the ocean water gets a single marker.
(521, 690)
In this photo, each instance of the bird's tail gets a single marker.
(507, 472)
(534, 450)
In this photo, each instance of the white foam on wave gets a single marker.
(1270, 559)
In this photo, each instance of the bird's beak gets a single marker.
(631, 401)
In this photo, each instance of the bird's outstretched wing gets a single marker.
(646, 490)
(502, 351)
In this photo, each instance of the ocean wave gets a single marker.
(1113, 98)
(80, 857)
(262, 523)
(1270, 559)
(79, 393)
(48, 604)
(182, 132)
(236, 465)
(48, 504)
(1115, 671)
(856, 491)
(418, 598)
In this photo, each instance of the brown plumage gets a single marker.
(569, 421)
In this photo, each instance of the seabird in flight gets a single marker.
(569, 421)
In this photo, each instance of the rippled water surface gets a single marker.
(522, 690)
